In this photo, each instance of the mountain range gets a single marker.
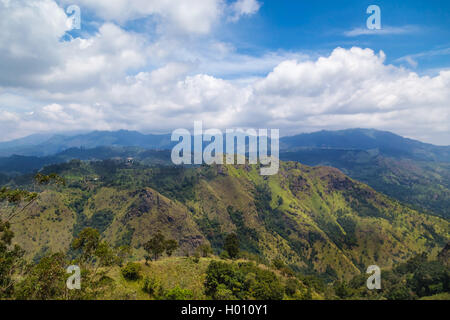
(413, 172)
(375, 141)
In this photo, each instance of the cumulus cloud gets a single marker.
(244, 8)
(118, 79)
(33, 55)
(29, 31)
(191, 16)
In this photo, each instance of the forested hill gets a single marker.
(315, 219)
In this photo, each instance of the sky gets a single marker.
(158, 65)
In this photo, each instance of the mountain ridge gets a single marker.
(359, 139)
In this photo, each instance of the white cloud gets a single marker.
(114, 79)
(244, 8)
(412, 58)
(32, 54)
(29, 32)
(191, 16)
(385, 30)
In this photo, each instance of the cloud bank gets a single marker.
(116, 78)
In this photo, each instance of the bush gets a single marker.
(151, 286)
(131, 271)
(242, 281)
(221, 273)
(196, 257)
(178, 293)
(224, 255)
(223, 293)
(291, 287)
(278, 263)
(205, 250)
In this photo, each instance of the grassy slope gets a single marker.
(172, 272)
(422, 184)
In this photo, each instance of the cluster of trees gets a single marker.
(46, 278)
(156, 246)
(416, 278)
(11, 256)
(229, 281)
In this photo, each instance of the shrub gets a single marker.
(178, 293)
(242, 281)
(224, 255)
(131, 271)
(205, 250)
(196, 257)
(223, 293)
(151, 286)
(291, 287)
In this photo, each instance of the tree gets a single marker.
(11, 256)
(431, 277)
(96, 258)
(221, 273)
(41, 179)
(46, 280)
(123, 252)
(155, 246)
(18, 199)
(171, 246)
(242, 281)
(205, 250)
(178, 293)
(88, 241)
(11, 260)
(342, 290)
(232, 245)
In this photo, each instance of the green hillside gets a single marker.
(424, 185)
(314, 219)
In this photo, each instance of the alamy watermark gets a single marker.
(374, 281)
(74, 281)
(374, 20)
(75, 19)
(236, 151)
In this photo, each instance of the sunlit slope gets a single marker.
(316, 219)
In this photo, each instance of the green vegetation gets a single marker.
(306, 233)
(232, 245)
(242, 281)
(417, 278)
(156, 246)
(131, 271)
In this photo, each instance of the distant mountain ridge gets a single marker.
(375, 141)
(58, 143)
(410, 171)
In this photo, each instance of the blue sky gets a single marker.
(320, 26)
(414, 28)
(155, 66)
